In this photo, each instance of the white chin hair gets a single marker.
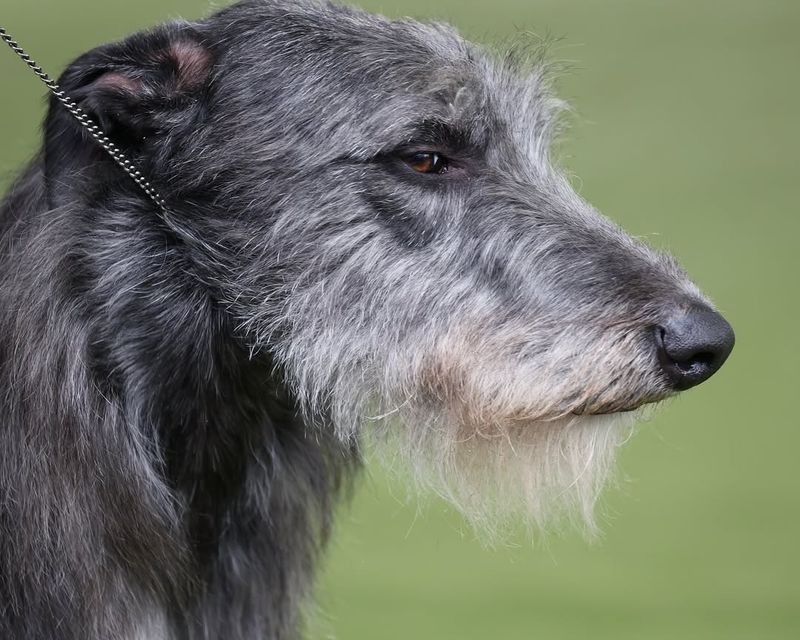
(541, 475)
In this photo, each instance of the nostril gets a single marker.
(704, 359)
(661, 333)
(694, 369)
(692, 345)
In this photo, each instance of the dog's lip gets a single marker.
(606, 412)
(626, 409)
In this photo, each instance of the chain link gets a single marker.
(80, 115)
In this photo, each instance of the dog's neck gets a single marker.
(210, 494)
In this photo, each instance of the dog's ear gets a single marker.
(141, 90)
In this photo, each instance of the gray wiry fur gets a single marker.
(183, 398)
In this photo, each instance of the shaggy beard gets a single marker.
(541, 475)
(516, 444)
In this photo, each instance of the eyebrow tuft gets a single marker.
(439, 134)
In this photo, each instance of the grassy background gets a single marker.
(687, 132)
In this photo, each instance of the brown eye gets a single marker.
(427, 162)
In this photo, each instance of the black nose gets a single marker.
(692, 345)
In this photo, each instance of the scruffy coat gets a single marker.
(185, 394)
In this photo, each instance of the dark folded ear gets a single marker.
(140, 91)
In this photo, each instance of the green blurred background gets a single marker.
(687, 133)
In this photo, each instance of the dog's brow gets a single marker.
(438, 133)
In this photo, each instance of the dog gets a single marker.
(364, 243)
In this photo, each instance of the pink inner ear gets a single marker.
(117, 82)
(193, 63)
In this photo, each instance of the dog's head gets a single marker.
(378, 211)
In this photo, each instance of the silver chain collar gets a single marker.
(80, 115)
